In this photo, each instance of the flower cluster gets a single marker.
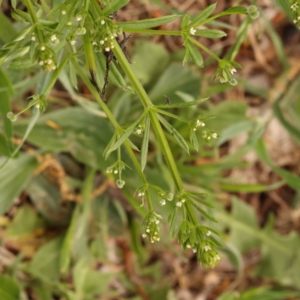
(208, 135)
(164, 196)
(39, 101)
(46, 58)
(253, 12)
(181, 199)
(139, 130)
(117, 168)
(150, 224)
(225, 71)
(104, 36)
(295, 7)
(208, 255)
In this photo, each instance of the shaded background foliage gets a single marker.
(57, 243)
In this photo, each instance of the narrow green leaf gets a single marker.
(251, 188)
(145, 144)
(198, 199)
(133, 146)
(235, 10)
(210, 33)
(73, 77)
(184, 104)
(176, 135)
(186, 56)
(111, 142)
(194, 140)
(294, 132)
(148, 23)
(291, 179)
(185, 21)
(9, 290)
(114, 5)
(204, 213)
(14, 3)
(121, 140)
(195, 54)
(204, 14)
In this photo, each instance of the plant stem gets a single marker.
(35, 21)
(205, 49)
(114, 123)
(152, 115)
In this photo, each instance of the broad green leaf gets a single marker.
(45, 262)
(210, 33)
(234, 130)
(145, 144)
(148, 70)
(195, 53)
(25, 222)
(147, 23)
(9, 290)
(204, 14)
(14, 177)
(174, 78)
(114, 5)
(6, 90)
(71, 130)
(176, 135)
(47, 200)
(7, 30)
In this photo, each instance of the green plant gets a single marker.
(57, 39)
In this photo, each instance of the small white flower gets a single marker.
(49, 61)
(188, 246)
(152, 241)
(214, 135)
(112, 46)
(208, 233)
(41, 63)
(194, 250)
(183, 200)
(109, 170)
(207, 248)
(156, 222)
(73, 42)
(107, 49)
(53, 37)
(101, 42)
(94, 43)
(43, 48)
(194, 129)
(37, 106)
(192, 31)
(144, 235)
(115, 171)
(163, 202)
(78, 18)
(158, 239)
(33, 38)
(69, 23)
(232, 71)
(63, 12)
(148, 230)
(179, 204)
(139, 131)
(102, 22)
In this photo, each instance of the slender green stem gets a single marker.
(205, 49)
(152, 31)
(114, 123)
(152, 115)
(34, 20)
